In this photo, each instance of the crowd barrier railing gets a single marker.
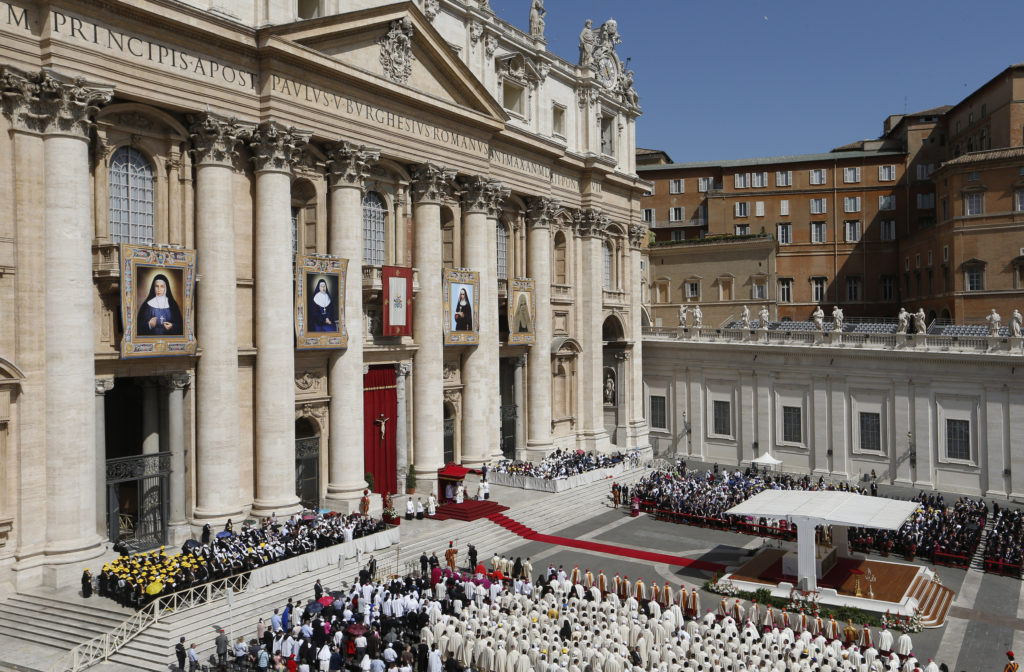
(993, 566)
(951, 560)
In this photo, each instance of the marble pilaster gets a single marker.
(540, 214)
(590, 227)
(639, 429)
(215, 142)
(518, 363)
(348, 166)
(275, 150)
(402, 371)
(175, 385)
(431, 185)
(103, 385)
(482, 198)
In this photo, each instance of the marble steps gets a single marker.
(40, 617)
(934, 600)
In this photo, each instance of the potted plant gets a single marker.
(410, 480)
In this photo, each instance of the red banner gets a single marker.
(380, 408)
(396, 296)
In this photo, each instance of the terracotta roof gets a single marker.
(770, 160)
(987, 155)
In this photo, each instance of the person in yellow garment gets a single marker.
(450, 555)
(1011, 664)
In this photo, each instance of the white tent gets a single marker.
(766, 460)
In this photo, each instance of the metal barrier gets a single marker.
(102, 647)
(993, 566)
(952, 560)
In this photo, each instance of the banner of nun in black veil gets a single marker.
(157, 301)
(320, 302)
(461, 289)
(521, 309)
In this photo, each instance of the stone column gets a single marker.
(518, 363)
(431, 185)
(480, 407)
(348, 166)
(215, 143)
(540, 214)
(274, 151)
(623, 405)
(402, 370)
(149, 499)
(103, 385)
(61, 109)
(590, 226)
(175, 385)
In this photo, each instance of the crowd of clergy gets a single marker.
(136, 579)
(559, 464)
(575, 621)
(698, 496)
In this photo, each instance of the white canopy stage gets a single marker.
(807, 509)
(766, 460)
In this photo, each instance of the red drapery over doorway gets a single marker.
(380, 411)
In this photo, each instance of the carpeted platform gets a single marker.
(469, 510)
(532, 535)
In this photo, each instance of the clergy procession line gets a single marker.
(937, 532)
(488, 621)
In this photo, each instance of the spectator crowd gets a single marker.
(136, 579)
(559, 464)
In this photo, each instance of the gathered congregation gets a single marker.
(701, 497)
(136, 579)
(559, 464)
(447, 621)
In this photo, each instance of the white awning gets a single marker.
(828, 508)
(766, 459)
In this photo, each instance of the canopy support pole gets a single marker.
(806, 575)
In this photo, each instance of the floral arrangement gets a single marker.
(805, 600)
(723, 587)
(908, 624)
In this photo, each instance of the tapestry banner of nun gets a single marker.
(521, 310)
(320, 303)
(157, 301)
(461, 289)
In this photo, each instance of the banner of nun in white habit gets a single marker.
(320, 302)
(461, 289)
(157, 301)
(521, 310)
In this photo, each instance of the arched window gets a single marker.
(608, 267)
(561, 269)
(375, 217)
(131, 197)
(502, 236)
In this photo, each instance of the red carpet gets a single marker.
(834, 578)
(469, 510)
(527, 533)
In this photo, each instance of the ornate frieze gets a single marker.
(309, 382)
(396, 55)
(349, 165)
(104, 385)
(589, 222)
(215, 140)
(491, 44)
(49, 102)
(476, 31)
(637, 234)
(276, 148)
(177, 381)
(540, 211)
(431, 8)
(432, 183)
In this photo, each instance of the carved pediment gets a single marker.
(396, 46)
(517, 67)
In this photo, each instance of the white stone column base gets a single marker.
(286, 507)
(63, 569)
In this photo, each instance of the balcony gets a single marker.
(106, 261)
(373, 282)
(561, 293)
(614, 298)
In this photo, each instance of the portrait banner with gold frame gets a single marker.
(157, 301)
(521, 309)
(320, 303)
(461, 289)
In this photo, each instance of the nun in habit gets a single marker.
(322, 313)
(159, 314)
(521, 323)
(463, 313)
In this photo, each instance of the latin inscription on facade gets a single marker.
(519, 164)
(354, 108)
(67, 27)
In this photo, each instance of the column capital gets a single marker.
(403, 369)
(215, 140)
(276, 148)
(432, 183)
(637, 235)
(519, 361)
(540, 212)
(50, 102)
(177, 381)
(349, 165)
(482, 194)
(590, 222)
(104, 385)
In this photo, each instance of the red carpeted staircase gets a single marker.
(532, 535)
(469, 510)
